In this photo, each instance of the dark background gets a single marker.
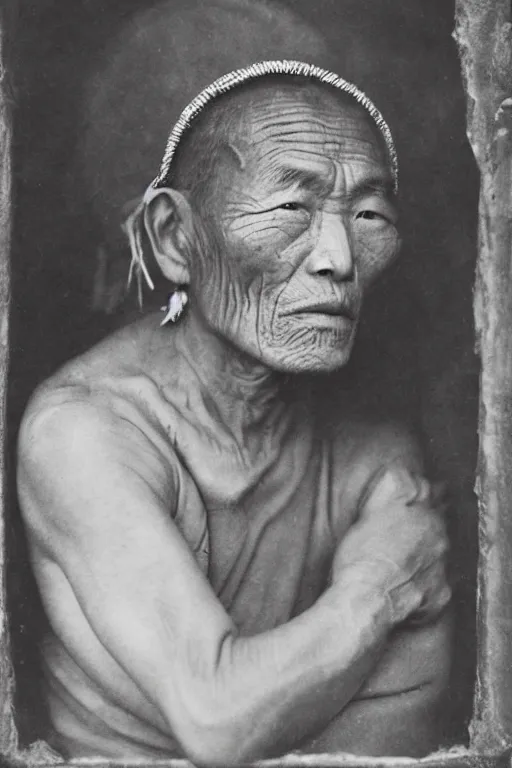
(414, 359)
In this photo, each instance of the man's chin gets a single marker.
(326, 362)
(324, 368)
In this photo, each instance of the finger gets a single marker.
(438, 505)
(391, 485)
(433, 608)
(436, 591)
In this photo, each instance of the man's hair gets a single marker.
(200, 150)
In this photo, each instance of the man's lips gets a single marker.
(333, 308)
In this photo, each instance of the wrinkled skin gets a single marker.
(302, 216)
(224, 579)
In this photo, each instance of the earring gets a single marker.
(176, 302)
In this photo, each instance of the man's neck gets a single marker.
(246, 395)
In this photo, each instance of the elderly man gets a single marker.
(226, 577)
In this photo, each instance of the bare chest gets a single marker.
(264, 537)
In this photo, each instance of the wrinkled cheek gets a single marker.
(279, 288)
(268, 236)
(299, 348)
(283, 284)
(276, 288)
(229, 300)
(238, 290)
(374, 256)
(212, 288)
(292, 257)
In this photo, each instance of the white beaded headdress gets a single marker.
(261, 69)
(223, 85)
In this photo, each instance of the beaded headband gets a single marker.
(238, 76)
(132, 225)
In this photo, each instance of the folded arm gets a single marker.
(401, 708)
(96, 496)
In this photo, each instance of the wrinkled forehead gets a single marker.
(308, 126)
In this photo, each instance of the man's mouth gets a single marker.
(333, 308)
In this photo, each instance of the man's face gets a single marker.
(302, 221)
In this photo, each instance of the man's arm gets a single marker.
(402, 708)
(96, 495)
(399, 709)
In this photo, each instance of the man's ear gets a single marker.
(169, 225)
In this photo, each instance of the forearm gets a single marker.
(272, 690)
(400, 708)
(405, 724)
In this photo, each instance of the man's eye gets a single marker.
(371, 216)
(289, 206)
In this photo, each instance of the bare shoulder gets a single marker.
(94, 393)
(68, 433)
(93, 416)
(63, 415)
(362, 450)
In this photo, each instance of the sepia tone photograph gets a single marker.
(255, 266)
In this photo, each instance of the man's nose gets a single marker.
(332, 255)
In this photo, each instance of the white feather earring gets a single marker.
(176, 303)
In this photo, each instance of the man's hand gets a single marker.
(398, 546)
(117, 576)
